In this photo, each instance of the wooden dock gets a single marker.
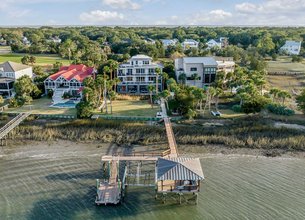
(109, 192)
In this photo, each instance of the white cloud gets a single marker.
(271, 12)
(123, 4)
(99, 16)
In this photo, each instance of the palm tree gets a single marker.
(284, 94)
(182, 78)
(170, 83)
(195, 77)
(151, 88)
(274, 92)
(112, 94)
(164, 78)
(113, 65)
(67, 48)
(158, 72)
(165, 94)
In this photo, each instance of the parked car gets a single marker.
(159, 115)
(216, 113)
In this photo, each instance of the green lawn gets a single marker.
(284, 64)
(41, 59)
(42, 106)
(133, 108)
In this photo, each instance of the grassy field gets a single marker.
(284, 64)
(292, 83)
(42, 106)
(133, 108)
(41, 59)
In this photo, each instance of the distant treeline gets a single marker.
(132, 40)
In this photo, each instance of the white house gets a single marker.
(204, 68)
(137, 74)
(9, 72)
(169, 42)
(190, 43)
(220, 43)
(69, 79)
(55, 40)
(292, 47)
(25, 41)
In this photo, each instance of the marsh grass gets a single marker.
(251, 133)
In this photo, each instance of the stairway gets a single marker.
(57, 96)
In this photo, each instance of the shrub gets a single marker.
(13, 103)
(66, 95)
(280, 110)
(236, 108)
(84, 110)
(50, 93)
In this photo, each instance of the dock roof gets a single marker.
(179, 168)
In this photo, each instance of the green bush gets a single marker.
(13, 103)
(66, 95)
(236, 108)
(280, 110)
(50, 93)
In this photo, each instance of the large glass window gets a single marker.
(129, 71)
(193, 68)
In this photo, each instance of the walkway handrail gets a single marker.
(12, 124)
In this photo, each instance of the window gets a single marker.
(193, 68)
(140, 71)
(129, 79)
(151, 70)
(141, 79)
(206, 78)
(129, 71)
(146, 62)
(152, 79)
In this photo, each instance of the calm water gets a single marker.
(59, 183)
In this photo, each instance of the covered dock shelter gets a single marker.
(178, 175)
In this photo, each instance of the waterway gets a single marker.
(58, 182)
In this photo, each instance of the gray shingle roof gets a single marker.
(179, 169)
(13, 67)
(207, 61)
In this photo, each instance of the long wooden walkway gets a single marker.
(12, 124)
(169, 131)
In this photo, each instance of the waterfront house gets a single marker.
(201, 71)
(69, 79)
(189, 43)
(137, 73)
(9, 72)
(292, 47)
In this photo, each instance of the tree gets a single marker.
(32, 60)
(170, 84)
(283, 95)
(182, 78)
(84, 109)
(67, 49)
(195, 77)
(25, 89)
(111, 95)
(301, 101)
(25, 60)
(165, 94)
(164, 78)
(158, 72)
(151, 88)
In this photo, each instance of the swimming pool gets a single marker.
(68, 104)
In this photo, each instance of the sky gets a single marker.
(153, 12)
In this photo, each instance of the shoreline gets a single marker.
(66, 148)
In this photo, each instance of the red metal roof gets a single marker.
(78, 72)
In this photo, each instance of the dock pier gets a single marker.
(173, 175)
